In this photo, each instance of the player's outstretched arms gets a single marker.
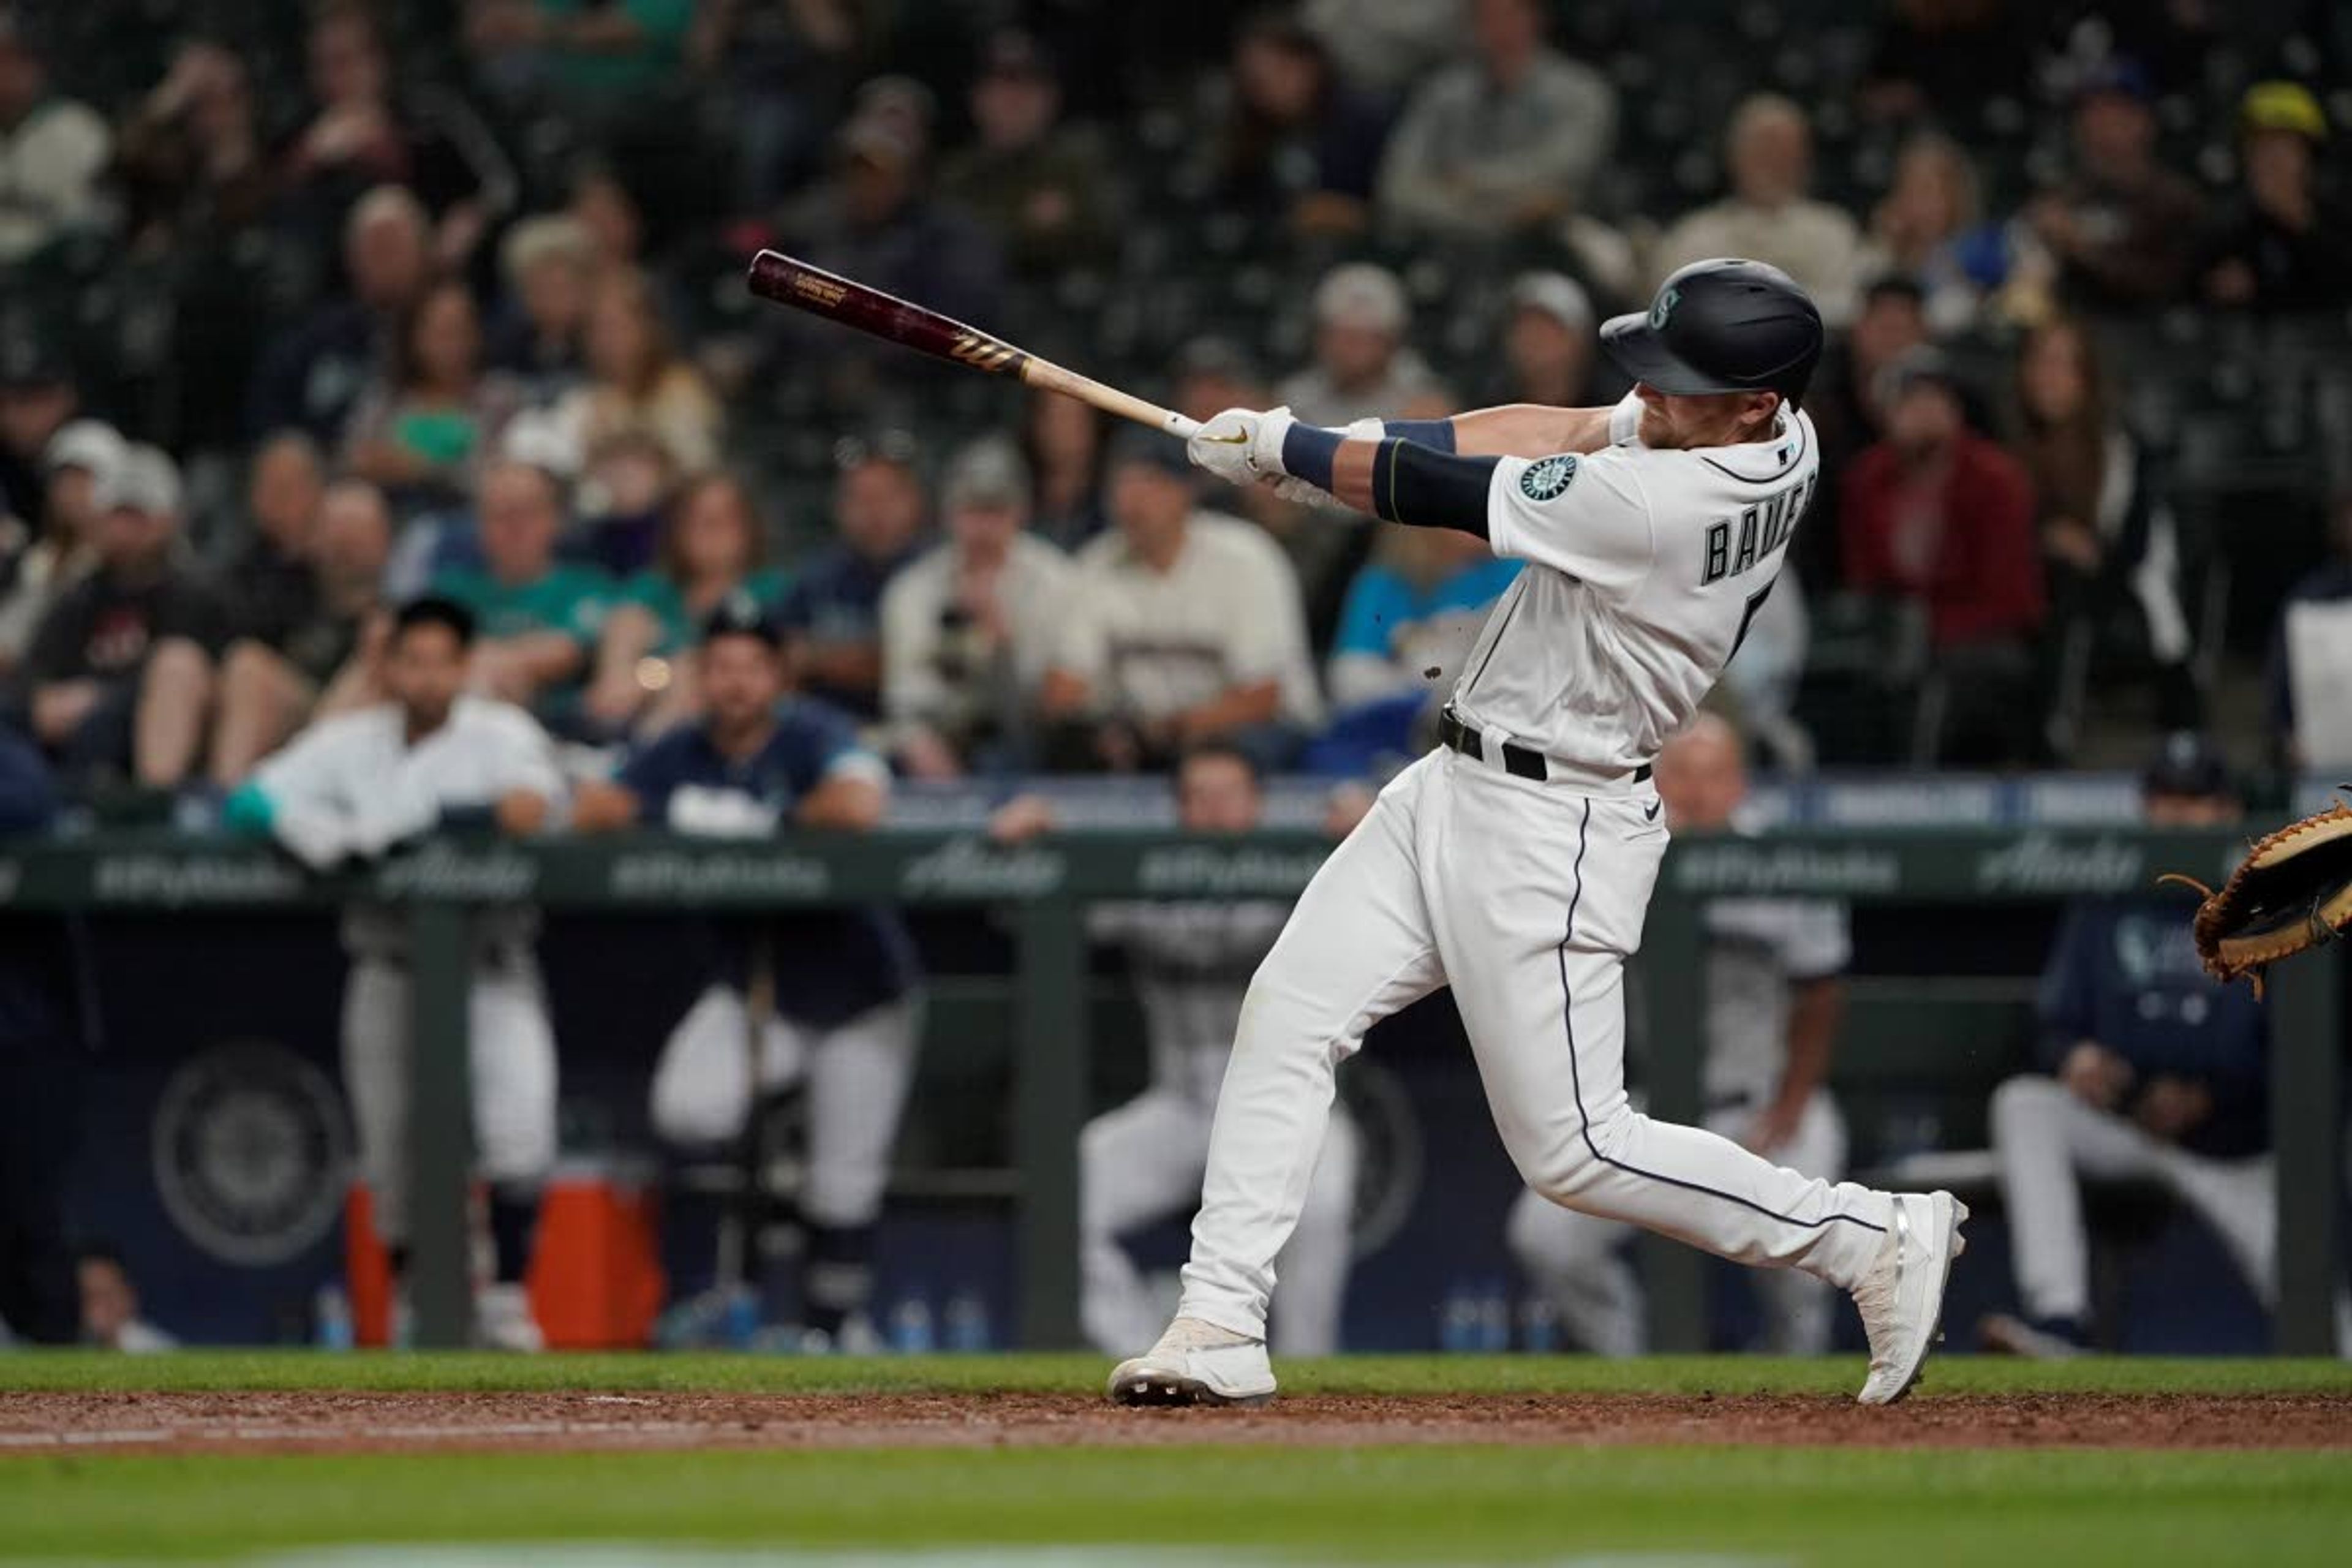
(1400, 481)
(1514, 430)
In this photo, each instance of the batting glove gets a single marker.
(1242, 447)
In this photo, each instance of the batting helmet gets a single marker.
(1726, 325)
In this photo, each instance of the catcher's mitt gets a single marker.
(2293, 893)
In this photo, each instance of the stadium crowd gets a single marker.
(337, 333)
(290, 340)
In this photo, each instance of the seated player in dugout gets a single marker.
(1515, 863)
(1775, 993)
(355, 786)
(1142, 1162)
(2150, 1070)
(827, 1001)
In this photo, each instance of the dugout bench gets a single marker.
(1047, 884)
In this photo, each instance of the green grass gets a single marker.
(1915, 1509)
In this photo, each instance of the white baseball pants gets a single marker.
(1525, 898)
(2045, 1139)
(1144, 1162)
(1579, 1263)
(512, 1064)
(857, 1075)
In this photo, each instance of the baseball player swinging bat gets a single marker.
(779, 278)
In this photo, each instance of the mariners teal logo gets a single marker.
(1667, 299)
(1547, 479)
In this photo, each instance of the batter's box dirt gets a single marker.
(357, 1422)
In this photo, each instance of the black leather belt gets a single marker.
(1517, 761)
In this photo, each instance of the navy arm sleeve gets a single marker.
(1412, 484)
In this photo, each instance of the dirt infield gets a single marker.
(358, 1422)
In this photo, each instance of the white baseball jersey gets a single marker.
(1650, 566)
(353, 786)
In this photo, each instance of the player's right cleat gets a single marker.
(1901, 1297)
(1196, 1363)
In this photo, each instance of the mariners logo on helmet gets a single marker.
(1664, 307)
(1547, 479)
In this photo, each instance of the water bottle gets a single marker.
(968, 1328)
(330, 1317)
(1458, 1323)
(911, 1327)
(1494, 1318)
(1538, 1325)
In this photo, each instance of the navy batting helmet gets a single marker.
(1725, 325)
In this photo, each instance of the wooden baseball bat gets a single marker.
(777, 277)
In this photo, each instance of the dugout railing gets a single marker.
(1046, 887)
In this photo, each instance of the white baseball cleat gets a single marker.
(1902, 1297)
(1196, 1363)
(503, 1321)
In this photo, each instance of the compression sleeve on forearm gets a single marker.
(1421, 488)
(1437, 434)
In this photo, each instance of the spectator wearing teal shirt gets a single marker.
(711, 552)
(1415, 611)
(600, 53)
(1408, 624)
(539, 618)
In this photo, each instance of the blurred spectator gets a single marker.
(1189, 624)
(2109, 543)
(1843, 403)
(46, 554)
(2122, 228)
(37, 398)
(1061, 443)
(638, 381)
(2281, 247)
(537, 618)
(192, 161)
(973, 632)
(1774, 995)
(1503, 142)
(1410, 616)
(40, 1081)
(537, 337)
(1939, 516)
(833, 611)
(601, 60)
(1929, 230)
(1385, 46)
(110, 1306)
(609, 214)
(2149, 1070)
(305, 598)
(2310, 674)
(623, 497)
(313, 373)
(423, 430)
(1213, 375)
(1549, 350)
(1298, 144)
(1768, 217)
(429, 142)
(53, 152)
(1944, 60)
(1362, 367)
(788, 67)
(119, 675)
(1043, 188)
(712, 552)
(873, 221)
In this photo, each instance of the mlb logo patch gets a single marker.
(1547, 479)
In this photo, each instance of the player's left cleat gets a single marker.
(1902, 1297)
(1196, 1363)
